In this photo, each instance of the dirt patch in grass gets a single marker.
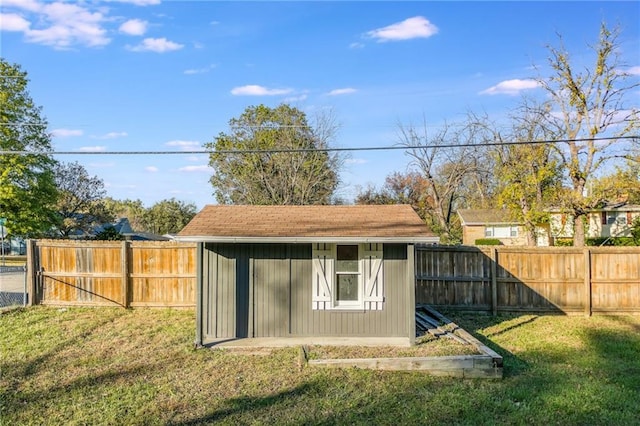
(425, 347)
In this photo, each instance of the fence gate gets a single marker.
(112, 273)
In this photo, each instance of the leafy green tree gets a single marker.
(168, 216)
(79, 205)
(133, 210)
(109, 234)
(270, 173)
(584, 105)
(528, 176)
(635, 231)
(27, 189)
(621, 185)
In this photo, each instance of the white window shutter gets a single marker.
(373, 276)
(323, 269)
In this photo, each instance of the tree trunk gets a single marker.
(578, 231)
(532, 241)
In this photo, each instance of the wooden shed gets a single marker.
(302, 271)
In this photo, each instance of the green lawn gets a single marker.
(116, 366)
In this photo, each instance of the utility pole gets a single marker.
(3, 233)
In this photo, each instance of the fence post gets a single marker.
(125, 273)
(587, 283)
(32, 271)
(494, 281)
(411, 292)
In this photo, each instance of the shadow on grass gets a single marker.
(14, 401)
(16, 372)
(245, 404)
(512, 364)
(617, 355)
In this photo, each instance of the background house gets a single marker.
(491, 223)
(611, 220)
(303, 271)
(121, 226)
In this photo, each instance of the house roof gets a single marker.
(358, 223)
(471, 217)
(608, 207)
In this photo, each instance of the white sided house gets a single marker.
(612, 220)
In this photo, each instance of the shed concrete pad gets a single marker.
(282, 342)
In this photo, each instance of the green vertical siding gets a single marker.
(271, 282)
(278, 277)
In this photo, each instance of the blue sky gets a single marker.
(151, 75)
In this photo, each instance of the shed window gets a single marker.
(347, 276)
(348, 283)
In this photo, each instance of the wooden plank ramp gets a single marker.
(487, 365)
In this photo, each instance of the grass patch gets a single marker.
(115, 366)
(425, 347)
(14, 261)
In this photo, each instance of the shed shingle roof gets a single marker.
(307, 223)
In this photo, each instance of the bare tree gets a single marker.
(585, 105)
(450, 162)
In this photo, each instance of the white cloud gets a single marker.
(92, 149)
(196, 169)
(633, 70)
(511, 87)
(151, 169)
(135, 27)
(195, 158)
(255, 90)
(158, 45)
(63, 25)
(416, 27)
(13, 22)
(111, 135)
(65, 133)
(356, 45)
(345, 91)
(184, 145)
(137, 2)
(199, 70)
(29, 5)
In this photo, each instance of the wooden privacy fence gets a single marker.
(107, 273)
(542, 279)
(493, 279)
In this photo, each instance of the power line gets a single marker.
(306, 150)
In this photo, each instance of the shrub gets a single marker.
(563, 242)
(611, 241)
(488, 242)
(109, 234)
